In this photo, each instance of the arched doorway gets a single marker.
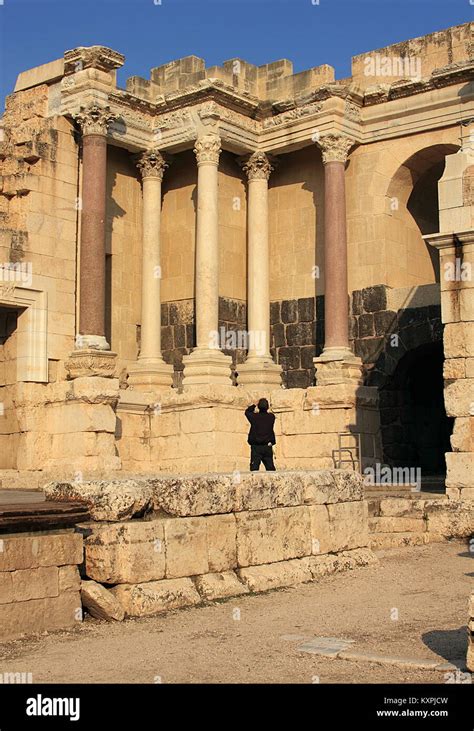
(415, 429)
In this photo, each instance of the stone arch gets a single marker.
(412, 204)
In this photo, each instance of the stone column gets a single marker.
(151, 371)
(259, 369)
(337, 362)
(89, 357)
(207, 364)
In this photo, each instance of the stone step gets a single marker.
(396, 540)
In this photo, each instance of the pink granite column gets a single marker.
(94, 121)
(336, 301)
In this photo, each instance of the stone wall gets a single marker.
(168, 542)
(206, 430)
(470, 635)
(39, 582)
(8, 372)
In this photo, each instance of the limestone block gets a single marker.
(142, 600)
(332, 396)
(332, 486)
(330, 563)
(260, 491)
(462, 437)
(69, 579)
(275, 575)
(315, 421)
(308, 445)
(321, 541)
(6, 587)
(348, 525)
(460, 469)
(220, 585)
(164, 424)
(394, 506)
(31, 552)
(452, 519)
(469, 367)
(100, 602)
(459, 397)
(96, 390)
(191, 495)
(80, 417)
(186, 547)
(37, 615)
(466, 304)
(108, 500)
(285, 399)
(458, 340)
(221, 533)
(454, 368)
(266, 536)
(35, 583)
(124, 553)
(396, 540)
(396, 524)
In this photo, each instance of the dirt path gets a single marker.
(426, 586)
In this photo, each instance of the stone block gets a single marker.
(331, 486)
(69, 579)
(348, 525)
(321, 541)
(275, 575)
(459, 397)
(396, 540)
(219, 585)
(192, 495)
(321, 566)
(35, 583)
(124, 553)
(462, 437)
(396, 524)
(452, 519)
(221, 534)
(154, 597)
(458, 340)
(38, 615)
(79, 417)
(394, 506)
(460, 469)
(6, 587)
(31, 552)
(266, 536)
(108, 500)
(100, 602)
(186, 547)
(260, 491)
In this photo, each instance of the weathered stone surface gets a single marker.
(396, 524)
(460, 469)
(321, 540)
(260, 491)
(37, 615)
(30, 552)
(69, 579)
(192, 495)
(35, 583)
(394, 506)
(142, 600)
(394, 540)
(328, 564)
(6, 587)
(219, 585)
(266, 536)
(100, 602)
(348, 525)
(221, 533)
(113, 500)
(275, 575)
(459, 397)
(186, 547)
(331, 486)
(124, 553)
(452, 519)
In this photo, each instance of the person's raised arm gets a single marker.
(250, 412)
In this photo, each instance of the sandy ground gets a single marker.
(426, 587)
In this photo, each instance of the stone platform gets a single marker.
(171, 541)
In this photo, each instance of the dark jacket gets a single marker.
(261, 427)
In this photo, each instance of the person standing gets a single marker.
(261, 435)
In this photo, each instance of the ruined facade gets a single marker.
(172, 250)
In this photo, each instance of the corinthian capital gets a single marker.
(207, 149)
(151, 164)
(335, 147)
(257, 166)
(95, 119)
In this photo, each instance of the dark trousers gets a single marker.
(261, 453)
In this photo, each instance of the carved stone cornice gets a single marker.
(95, 119)
(151, 164)
(94, 57)
(335, 147)
(257, 166)
(207, 149)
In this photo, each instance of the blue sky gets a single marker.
(151, 33)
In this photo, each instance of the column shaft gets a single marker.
(258, 296)
(207, 256)
(151, 271)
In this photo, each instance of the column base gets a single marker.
(338, 365)
(259, 373)
(91, 342)
(91, 362)
(206, 366)
(150, 374)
